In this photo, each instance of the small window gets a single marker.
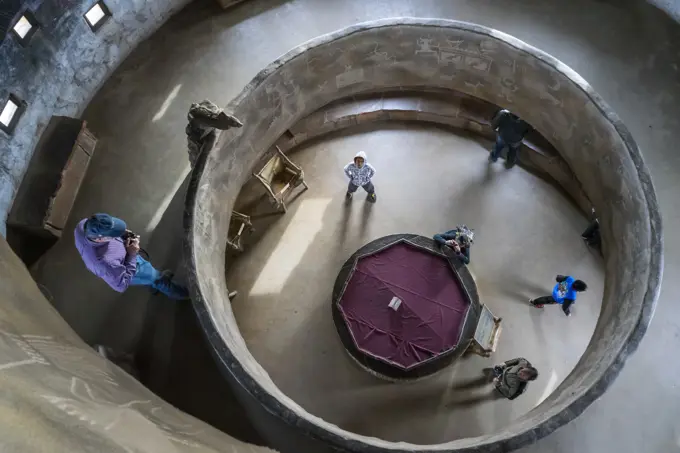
(97, 15)
(10, 112)
(25, 27)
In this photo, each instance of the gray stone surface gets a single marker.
(59, 395)
(204, 117)
(478, 61)
(61, 67)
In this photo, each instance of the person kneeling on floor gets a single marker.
(564, 293)
(511, 378)
(111, 252)
(459, 239)
(360, 172)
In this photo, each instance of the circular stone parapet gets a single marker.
(406, 53)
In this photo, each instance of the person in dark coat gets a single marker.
(592, 234)
(564, 293)
(511, 378)
(459, 240)
(510, 131)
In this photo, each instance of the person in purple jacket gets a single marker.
(100, 242)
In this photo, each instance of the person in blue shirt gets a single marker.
(564, 293)
(459, 239)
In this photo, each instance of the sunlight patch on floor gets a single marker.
(166, 201)
(293, 244)
(166, 104)
(549, 388)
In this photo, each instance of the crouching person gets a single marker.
(512, 377)
(459, 239)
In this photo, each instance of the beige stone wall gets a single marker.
(410, 53)
(58, 395)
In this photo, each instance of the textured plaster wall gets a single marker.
(410, 53)
(62, 67)
(59, 395)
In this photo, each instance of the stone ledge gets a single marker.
(447, 108)
(547, 93)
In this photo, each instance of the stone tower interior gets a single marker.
(98, 115)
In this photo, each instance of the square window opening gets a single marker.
(10, 111)
(97, 15)
(25, 27)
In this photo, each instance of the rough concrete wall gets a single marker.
(62, 66)
(670, 7)
(412, 53)
(59, 395)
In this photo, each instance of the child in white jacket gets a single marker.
(360, 173)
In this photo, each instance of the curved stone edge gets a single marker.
(547, 163)
(276, 408)
(60, 395)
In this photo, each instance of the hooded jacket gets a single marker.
(107, 260)
(359, 176)
(441, 239)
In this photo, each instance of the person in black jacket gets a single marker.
(592, 234)
(459, 239)
(510, 131)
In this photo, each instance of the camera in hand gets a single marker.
(129, 235)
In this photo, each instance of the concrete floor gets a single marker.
(626, 50)
(428, 180)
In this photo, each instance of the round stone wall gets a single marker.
(411, 54)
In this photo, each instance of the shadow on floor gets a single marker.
(171, 354)
(191, 380)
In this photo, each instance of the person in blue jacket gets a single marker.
(564, 293)
(459, 239)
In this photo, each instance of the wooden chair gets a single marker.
(237, 224)
(487, 333)
(279, 176)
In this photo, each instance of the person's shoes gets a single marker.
(531, 301)
(171, 289)
(348, 196)
(492, 159)
(166, 275)
(509, 165)
(372, 198)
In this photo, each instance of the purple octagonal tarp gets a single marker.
(404, 305)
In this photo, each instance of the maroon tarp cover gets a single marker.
(430, 305)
